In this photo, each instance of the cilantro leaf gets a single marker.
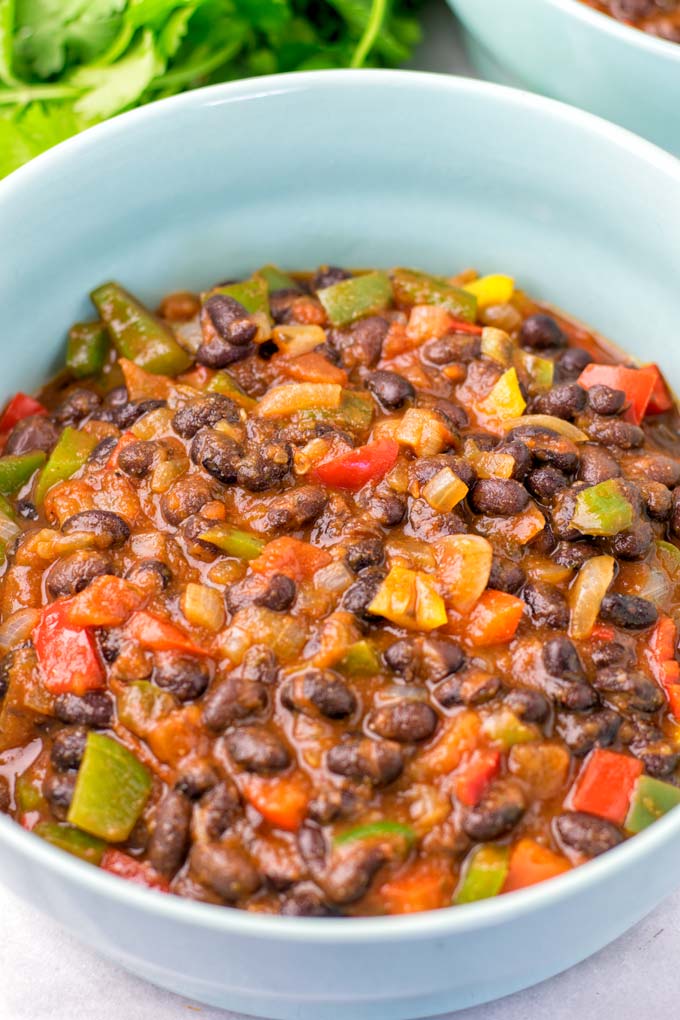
(113, 88)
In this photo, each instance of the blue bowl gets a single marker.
(357, 168)
(571, 52)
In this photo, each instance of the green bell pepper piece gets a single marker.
(67, 457)
(356, 411)
(28, 794)
(276, 279)
(651, 799)
(414, 288)
(602, 509)
(223, 383)
(539, 370)
(485, 874)
(137, 334)
(360, 295)
(88, 345)
(361, 659)
(141, 704)
(74, 841)
(233, 541)
(669, 557)
(506, 729)
(111, 790)
(373, 830)
(17, 468)
(7, 509)
(253, 294)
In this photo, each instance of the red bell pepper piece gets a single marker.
(531, 863)
(494, 619)
(673, 695)
(635, 383)
(20, 406)
(661, 399)
(365, 464)
(160, 635)
(473, 779)
(662, 662)
(106, 602)
(290, 556)
(139, 872)
(67, 656)
(605, 784)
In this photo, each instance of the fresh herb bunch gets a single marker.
(67, 64)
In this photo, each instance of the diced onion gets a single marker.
(203, 606)
(444, 490)
(497, 345)
(292, 397)
(423, 431)
(335, 577)
(8, 530)
(587, 592)
(548, 421)
(295, 340)
(17, 627)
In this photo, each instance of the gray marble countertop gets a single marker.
(45, 974)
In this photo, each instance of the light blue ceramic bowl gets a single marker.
(358, 168)
(571, 52)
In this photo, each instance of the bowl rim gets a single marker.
(446, 920)
(628, 34)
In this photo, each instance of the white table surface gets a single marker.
(45, 974)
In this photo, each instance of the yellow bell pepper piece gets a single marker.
(505, 400)
(495, 289)
(410, 599)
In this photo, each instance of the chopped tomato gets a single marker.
(635, 383)
(531, 863)
(424, 885)
(353, 469)
(67, 656)
(603, 632)
(673, 695)
(176, 734)
(139, 872)
(313, 368)
(292, 557)
(662, 640)
(106, 602)
(494, 619)
(431, 321)
(661, 399)
(474, 777)
(160, 635)
(282, 801)
(458, 735)
(20, 406)
(605, 784)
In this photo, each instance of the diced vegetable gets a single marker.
(203, 606)
(175, 734)
(67, 656)
(376, 830)
(486, 870)
(351, 299)
(669, 557)
(298, 560)
(505, 401)
(222, 382)
(282, 401)
(424, 432)
(141, 705)
(548, 421)
(539, 371)
(432, 321)
(531, 863)
(88, 345)
(16, 469)
(410, 599)
(586, 594)
(488, 464)
(494, 619)
(474, 777)
(506, 729)
(497, 345)
(233, 541)
(282, 801)
(661, 398)
(661, 657)
(464, 567)
(253, 294)
(19, 407)
(160, 635)
(651, 799)
(111, 790)
(602, 509)
(444, 491)
(68, 456)
(106, 602)
(295, 340)
(276, 279)
(604, 785)
(414, 288)
(495, 289)
(140, 872)
(137, 334)
(73, 840)
(423, 885)
(636, 384)
(458, 735)
(352, 470)
(361, 659)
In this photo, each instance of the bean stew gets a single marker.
(339, 593)
(657, 17)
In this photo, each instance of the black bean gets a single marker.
(203, 413)
(216, 812)
(259, 663)
(258, 750)
(547, 446)
(541, 331)
(457, 347)
(58, 789)
(597, 464)
(27, 510)
(224, 869)
(571, 363)
(170, 837)
(659, 757)
(581, 733)
(366, 339)
(634, 543)
(230, 320)
(401, 658)
(144, 572)
(185, 497)
(530, 705)
(319, 692)
(675, 513)
(587, 834)
(327, 276)
(654, 467)
(279, 594)
(68, 748)
(619, 652)
(439, 657)
(78, 404)
(218, 454)
(637, 692)
(367, 552)
(563, 509)
(136, 459)
(498, 497)
(428, 524)
(628, 611)
(520, 453)
(545, 482)
(498, 811)
(615, 432)
(36, 432)
(657, 499)
(305, 901)
(390, 389)
(5, 666)
(103, 450)
(110, 528)
(351, 872)
(605, 400)
(561, 659)
(378, 761)
(195, 777)
(547, 605)
(505, 575)
(387, 510)
(455, 416)
(234, 698)
(573, 554)
(405, 721)
(264, 466)
(472, 687)
(281, 303)
(425, 468)
(293, 509)
(562, 401)
(185, 676)
(218, 353)
(357, 598)
(73, 573)
(94, 709)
